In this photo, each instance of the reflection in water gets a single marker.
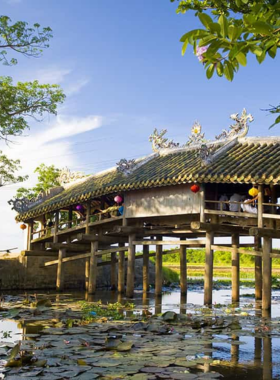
(267, 359)
(234, 349)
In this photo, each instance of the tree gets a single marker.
(230, 31)
(8, 168)
(47, 178)
(23, 100)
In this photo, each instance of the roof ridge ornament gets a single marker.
(125, 166)
(160, 142)
(66, 176)
(196, 137)
(239, 129)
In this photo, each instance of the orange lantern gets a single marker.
(195, 188)
(253, 192)
(23, 226)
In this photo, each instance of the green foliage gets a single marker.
(230, 31)
(93, 310)
(30, 99)
(47, 178)
(20, 38)
(169, 276)
(8, 168)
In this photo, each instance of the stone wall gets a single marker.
(27, 273)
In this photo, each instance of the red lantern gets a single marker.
(195, 188)
(23, 226)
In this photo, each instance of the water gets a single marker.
(253, 358)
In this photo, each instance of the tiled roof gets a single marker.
(249, 160)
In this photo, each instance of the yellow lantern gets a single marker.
(253, 192)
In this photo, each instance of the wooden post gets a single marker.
(56, 222)
(235, 268)
(93, 267)
(183, 269)
(86, 273)
(121, 270)
(266, 300)
(146, 283)
(258, 270)
(113, 271)
(70, 217)
(87, 216)
(60, 271)
(158, 279)
(260, 206)
(202, 203)
(130, 267)
(208, 276)
(29, 235)
(273, 208)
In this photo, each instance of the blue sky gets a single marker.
(120, 64)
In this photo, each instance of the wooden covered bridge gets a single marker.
(189, 193)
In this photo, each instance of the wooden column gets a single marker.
(258, 270)
(202, 203)
(146, 283)
(56, 222)
(60, 271)
(273, 209)
(29, 235)
(183, 269)
(121, 270)
(87, 217)
(158, 279)
(266, 300)
(70, 217)
(208, 276)
(260, 206)
(130, 267)
(93, 267)
(235, 268)
(87, 273)
(113, 271)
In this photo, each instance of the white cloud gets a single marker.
(49, 146)
(76, 87)
(51, 75)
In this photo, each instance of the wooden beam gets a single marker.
(232, 213)
(93, 268)
(121, 270)
(67, 259)
(183, 269)
(190, 243)
(39, 253)
(221, 228)
(111, 250)
(146, 282)
(264, 232)
(130, 267)
(158, 279)
(235, 268)
(60, 271)
(266, 300)
(208, 277)
(258, 270)
(100, 238)
(70, 247)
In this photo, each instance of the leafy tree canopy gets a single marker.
(8, 168)
(231, 31)
(47, 178)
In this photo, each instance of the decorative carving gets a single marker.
(196, 137)
(125, 166)
(66, 176)
(239, 129)
(205, 152)
(21, 205)
(160, 142)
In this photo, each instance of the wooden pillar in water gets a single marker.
(93, 267)
(60, 270)
(183, 269)
(266, 293)
(145, 268)
(258, 269)
(130, 267)
(113, 271)
(87, 273)
(121, 270)
(235, 268)
(267, 358)
(56, 223)
(158, 279)
(208, 276)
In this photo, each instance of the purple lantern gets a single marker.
(79, 208)
(118, 199)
